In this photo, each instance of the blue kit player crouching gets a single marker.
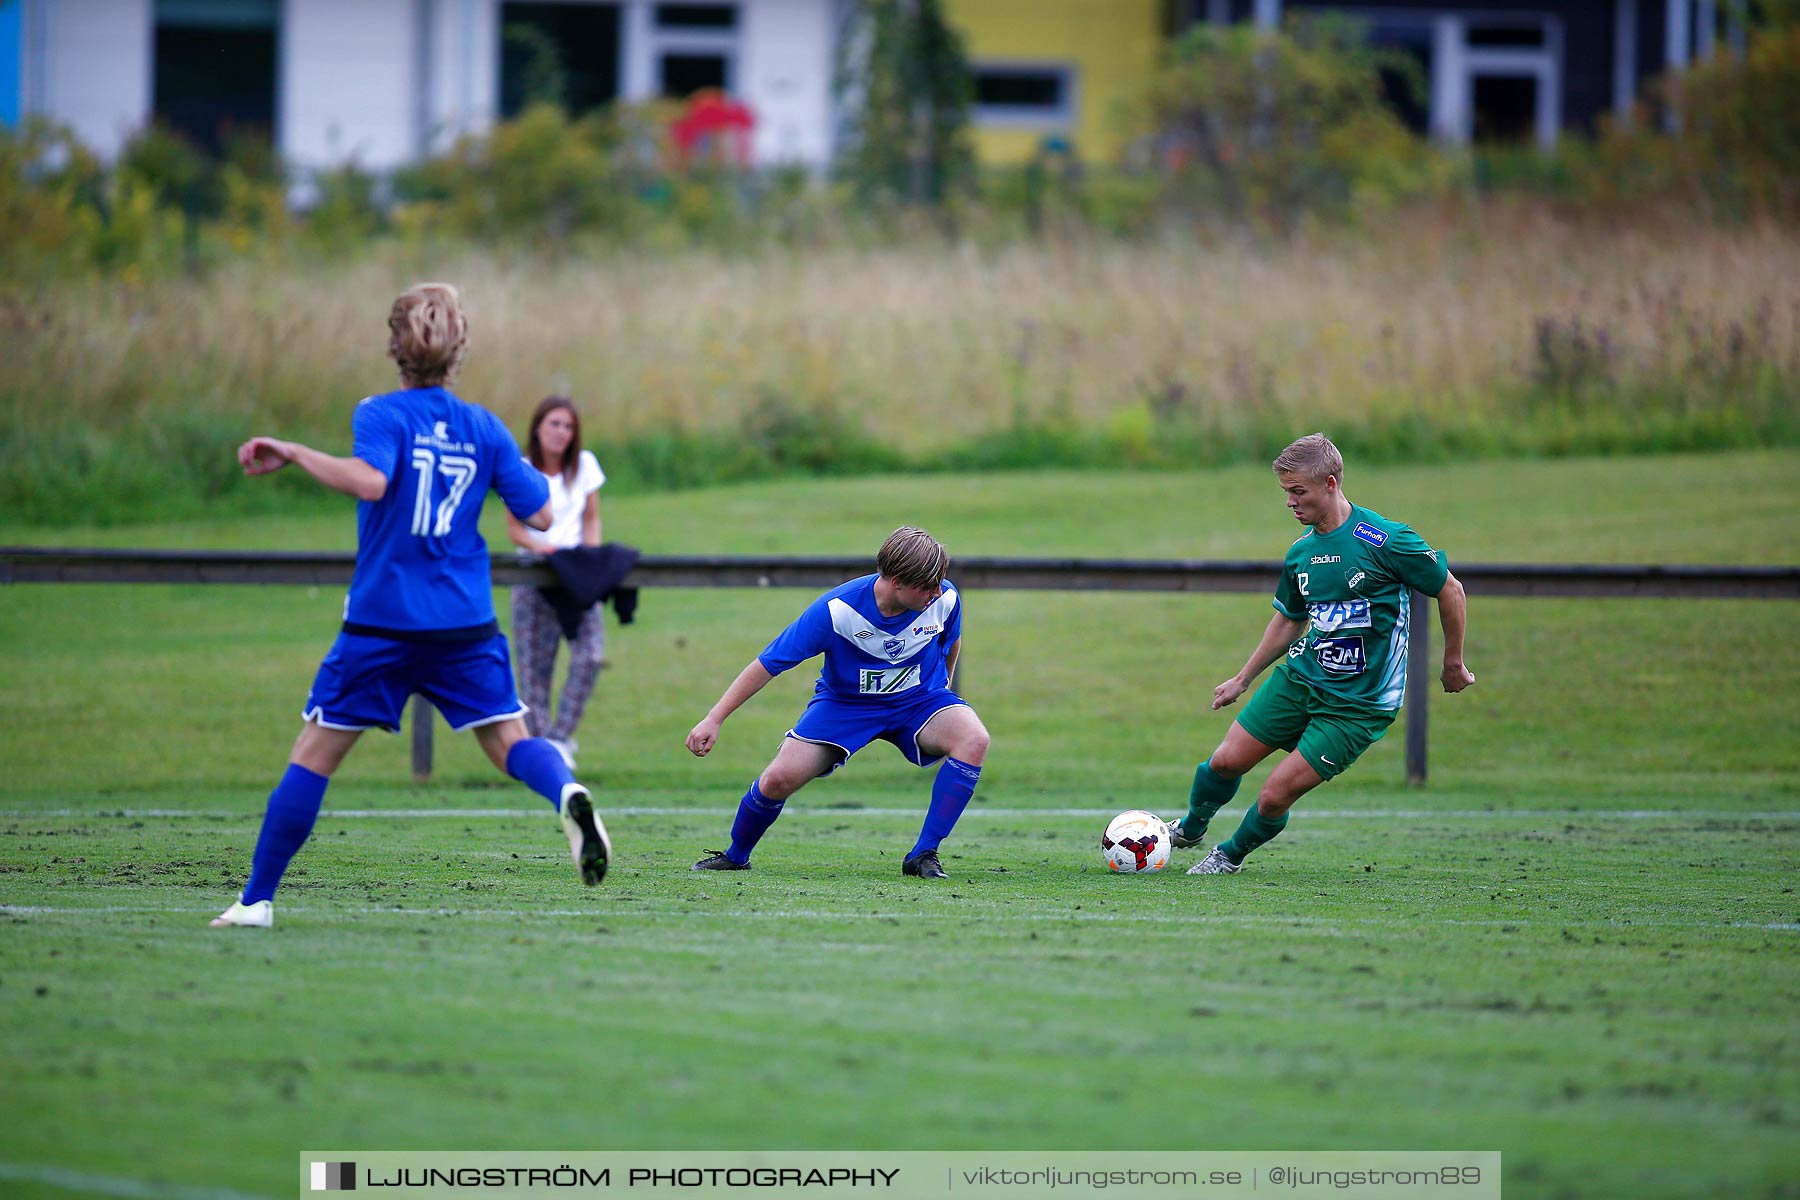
(420, 613)
(890, 642)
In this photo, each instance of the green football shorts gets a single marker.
(1328, 733)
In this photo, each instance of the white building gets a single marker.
(385, 82)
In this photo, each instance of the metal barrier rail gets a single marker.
(49, 564)
(46, 564)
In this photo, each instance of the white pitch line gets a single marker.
(114, 1185)
(701, 908)
(464, 814)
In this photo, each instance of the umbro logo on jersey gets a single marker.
(864, 633)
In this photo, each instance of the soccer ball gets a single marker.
(1135, 843)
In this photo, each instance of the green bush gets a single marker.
(1733, 151)
(1267, 128)
(50, 194)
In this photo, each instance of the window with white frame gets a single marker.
(1492, 76)
(1025, 95)
(694, 47)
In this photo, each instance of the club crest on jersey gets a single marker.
(1370, 534)
(441, 432)
(1354, 579)
(894, 647)
(864, 633)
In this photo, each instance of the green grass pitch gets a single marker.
(1579, 945)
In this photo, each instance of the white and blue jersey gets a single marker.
(870, 658)
(421, 562)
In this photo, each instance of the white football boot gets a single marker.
(260, 915)
(589, 846)
(1215, 863)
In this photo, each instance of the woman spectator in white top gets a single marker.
(554, 447)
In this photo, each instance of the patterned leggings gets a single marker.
(535, 634)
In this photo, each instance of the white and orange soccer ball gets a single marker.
(1135, 843)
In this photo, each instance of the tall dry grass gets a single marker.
(1484, 316)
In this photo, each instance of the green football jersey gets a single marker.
(1354, 585)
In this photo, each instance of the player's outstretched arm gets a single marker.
(351, 476)
(520, 533)
(1277, 636)
(1453, 617)
(751, 680)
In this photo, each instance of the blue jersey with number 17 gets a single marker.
(869, 657)
(421, 562)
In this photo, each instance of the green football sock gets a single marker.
(1252, 831)
(1211, 792)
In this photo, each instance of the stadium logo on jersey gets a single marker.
(1370, 534)
(1320, 559)
(1339, 614)
(1341, 656)
(894, 647)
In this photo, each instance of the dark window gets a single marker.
(1404, 83)
(564, 53)
(1506, 35)
(696, 16)
(1020, 89)
(685, 74)
(1505, 108)
(212, 82)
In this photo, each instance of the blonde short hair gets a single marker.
(1313, 457)
(913, 557)
(427, 333)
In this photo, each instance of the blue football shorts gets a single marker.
(847, 726)
(364, 682)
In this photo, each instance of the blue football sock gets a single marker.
(756, 812)
(537, 764)
(287, 822)
(950, 793)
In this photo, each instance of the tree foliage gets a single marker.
(1256, 125)
(906, 77)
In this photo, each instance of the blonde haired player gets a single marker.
(420, 613)
(1342, 611)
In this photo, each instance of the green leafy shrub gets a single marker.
(1269, 127)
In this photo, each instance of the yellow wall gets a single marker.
(1114, 45)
